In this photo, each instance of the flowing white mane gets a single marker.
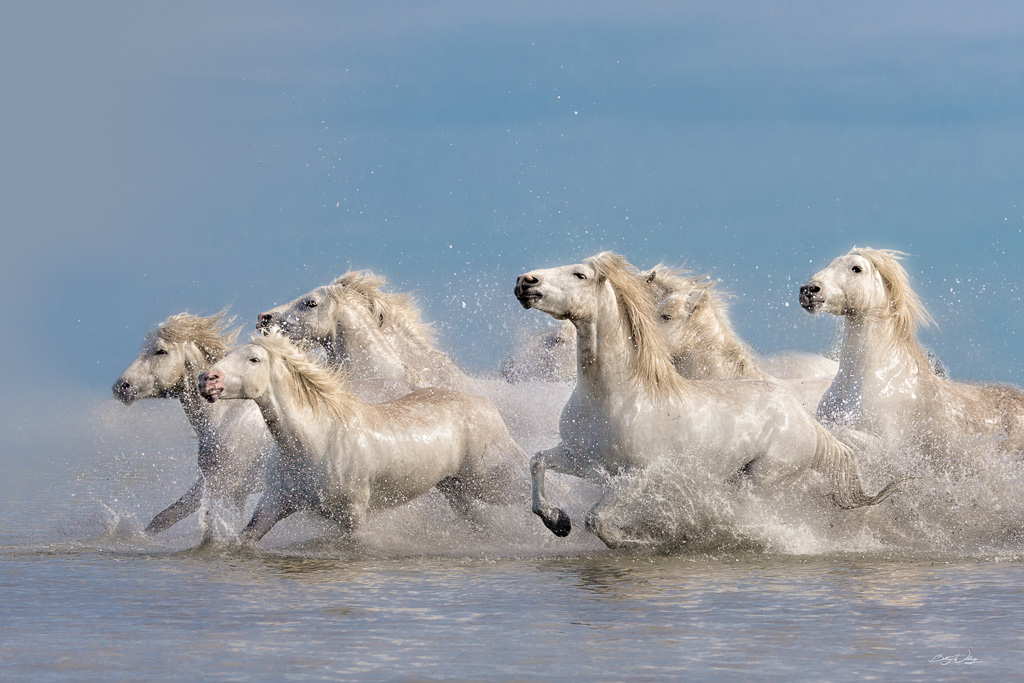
(204, 340)
(314, 385)
(904, 307)
(652, 363)
(389, 309)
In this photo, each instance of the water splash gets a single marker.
(130, 463)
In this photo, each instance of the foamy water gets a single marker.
(720, 583)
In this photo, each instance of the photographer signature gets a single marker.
(958, 658)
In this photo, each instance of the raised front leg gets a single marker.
(271, 509)
(555, 459)
(178, 510)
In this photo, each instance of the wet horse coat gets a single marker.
(631, 407)
(341, 457)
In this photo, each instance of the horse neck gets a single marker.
(290, 422)
(398, 356)
(870, 349)
(371, 354)
(604, 353)
(200, 414)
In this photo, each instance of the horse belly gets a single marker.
(409, 467)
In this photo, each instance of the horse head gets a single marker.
(172, 354)
(243, 373)
(311, 316)
(850, 285)
(867, 282)
(564, 292)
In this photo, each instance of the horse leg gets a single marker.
(595, 523)
(178, 510)
(271, 509)
(457, 494)
(554, 519)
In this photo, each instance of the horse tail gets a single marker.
(838, 463)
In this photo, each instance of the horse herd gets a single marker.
(341, 402)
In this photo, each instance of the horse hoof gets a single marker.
(561, 526)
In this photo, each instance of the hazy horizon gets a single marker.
(163, 159)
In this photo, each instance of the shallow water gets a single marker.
(781, 592)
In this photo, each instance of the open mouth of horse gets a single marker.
(210, 388)
(810, 302)
(527, 298)
(526, 293)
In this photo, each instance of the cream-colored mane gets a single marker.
(204, 340)
(652, 363)
(905, 308)
(390, 310)
(314, 385)
(706, 336)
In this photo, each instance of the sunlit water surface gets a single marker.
(929, 585)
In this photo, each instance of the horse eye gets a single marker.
(254, 359)
(666, 316)
(856, 269)
(160, 352)
(581, 276)
(310, 303)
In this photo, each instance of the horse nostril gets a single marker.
(813, 288)
(524, 281)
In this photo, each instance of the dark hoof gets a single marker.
(562, 524)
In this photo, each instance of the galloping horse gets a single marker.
(887, 386)
(233, 443)
(630, 406)
(341, 456)
(376, 335)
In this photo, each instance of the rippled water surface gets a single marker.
(419, 595)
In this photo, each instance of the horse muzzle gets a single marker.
(211, 385)
(810, 296)
(125, 392)
(526, 290)
(268, 321)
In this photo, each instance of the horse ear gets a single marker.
(695, 299)
(651, 275)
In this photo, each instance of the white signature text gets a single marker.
(958, 658)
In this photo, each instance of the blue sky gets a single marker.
(161, 158)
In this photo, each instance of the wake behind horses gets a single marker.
(342, 403)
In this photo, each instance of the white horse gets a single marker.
(341, 456)
(704, 344)
(377, 336)
(550, 356)
(233, 442)
(887, 385)
(630, 406)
